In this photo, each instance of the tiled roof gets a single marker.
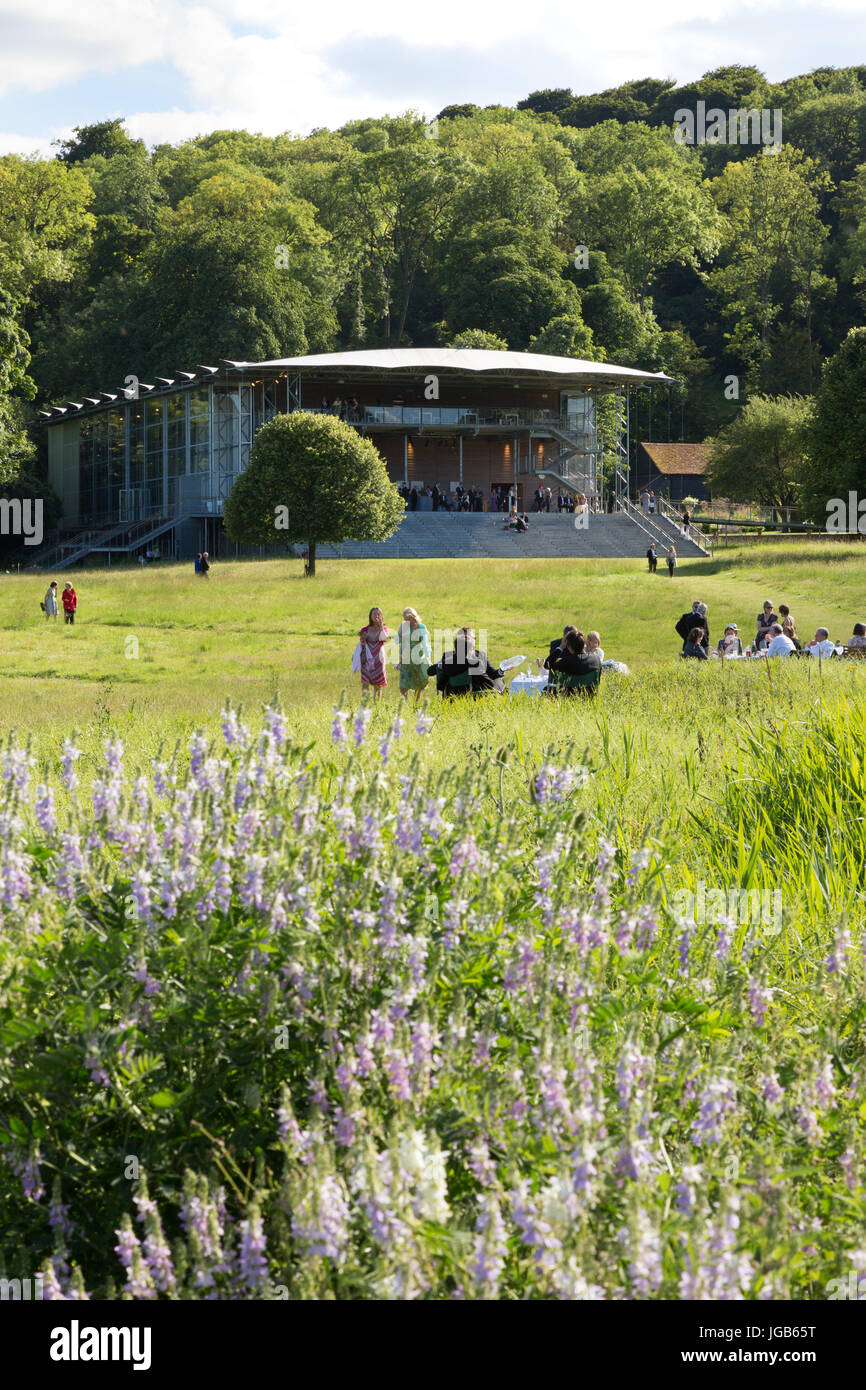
(678, 458)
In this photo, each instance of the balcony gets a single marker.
(472, 419)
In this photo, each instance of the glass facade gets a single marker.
(131, 458)
(184, 447)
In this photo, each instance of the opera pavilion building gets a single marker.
(157, 459)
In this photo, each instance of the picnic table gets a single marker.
(528, 684)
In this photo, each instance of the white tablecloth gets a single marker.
(526, 684)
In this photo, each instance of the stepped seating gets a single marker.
(480, 535)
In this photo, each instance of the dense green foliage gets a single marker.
(312, 478)
(772, 430)
(704, 260)
(837, 438)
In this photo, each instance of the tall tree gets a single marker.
(106, 138)
(773, 239)
(836, 463)
(760, 456)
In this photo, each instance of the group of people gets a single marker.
(775, 635)
(346, 410)
(202, 564)
(571, 656)
(465, 670)
(460, 500)
(671, 559)
(569, 502)
(68, 600)
(462, 671)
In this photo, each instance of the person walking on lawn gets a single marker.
(70, 603)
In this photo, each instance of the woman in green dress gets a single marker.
(415, 654)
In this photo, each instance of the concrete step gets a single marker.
(474, 535)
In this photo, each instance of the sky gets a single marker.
(178, 68)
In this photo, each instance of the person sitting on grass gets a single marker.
(573, 659)
(593, 644)
(693, 645)
(821, 645)
(859, 638)
(466, 671)
(766, 619)
(556, 646)
(730, 644)
(789, 628)
(779, 644)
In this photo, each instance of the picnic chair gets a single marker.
(553, 681)
(459, 683)
(587, 683)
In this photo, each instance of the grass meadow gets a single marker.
(155, 655)
(291, 1005)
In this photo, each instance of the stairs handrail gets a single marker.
(694, 533)
(639, 518)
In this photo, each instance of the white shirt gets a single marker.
(600, 653)
(781, 646)
(825, 647)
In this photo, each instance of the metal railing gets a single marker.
(469, 417)
(655, 533)
(690, 531)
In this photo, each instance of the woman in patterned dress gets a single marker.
(373, 639)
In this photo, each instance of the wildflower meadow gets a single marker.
(364, 1018)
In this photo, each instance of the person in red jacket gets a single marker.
(70, 603)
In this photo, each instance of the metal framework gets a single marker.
(233, 435)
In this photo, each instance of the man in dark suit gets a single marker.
(462, 660)
(435, 497)
(556, 646)
(697, 618)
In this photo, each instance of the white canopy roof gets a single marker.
(459, 360)
(522, 365)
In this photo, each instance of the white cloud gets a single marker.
(308, 65)
(24, 144)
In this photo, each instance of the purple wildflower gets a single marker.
(359, 727)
